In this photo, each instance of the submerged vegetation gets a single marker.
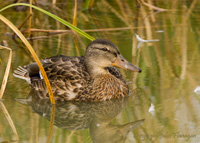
(170, 67)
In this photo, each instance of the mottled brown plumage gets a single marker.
(90, 78)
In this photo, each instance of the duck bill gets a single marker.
(121, 62)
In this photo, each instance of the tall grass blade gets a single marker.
(21, 36)
(9, 119)
(55, 17)
(5, 78)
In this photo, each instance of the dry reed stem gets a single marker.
(22, 24)
(153, 7)
(151, 10)
(75, 14)
(9, 119)
(5, 78)
(126, 11)
(30, 21)
(92, 30)
(58, 32)
(53, 109)
(135, 59)
(147, 24)
(97, 30)
(53, 2)
(7, 22)
(30, 18)
(75, 24)
(91, 3)
(75, 37)
(190, 9)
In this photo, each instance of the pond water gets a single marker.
(163, 105)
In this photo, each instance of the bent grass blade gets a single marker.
(55, 17)
(21, 36)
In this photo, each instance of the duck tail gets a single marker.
(22, 73)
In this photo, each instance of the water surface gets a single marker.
(163, 94)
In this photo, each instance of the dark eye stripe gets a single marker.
(102, 49)
(105, 49)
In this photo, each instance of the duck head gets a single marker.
(101, 54)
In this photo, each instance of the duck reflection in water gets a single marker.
(76, 115)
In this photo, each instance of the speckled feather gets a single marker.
(70, 80)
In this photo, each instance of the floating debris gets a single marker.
(160, 31)
(197, 90)
(44, 114)
(142, 40)
(152, 109)
(98, 125)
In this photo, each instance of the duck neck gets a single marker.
(94, 70)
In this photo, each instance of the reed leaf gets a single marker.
(5, 78)
(55, 17)
(21, 36)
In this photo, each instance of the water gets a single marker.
(163, 94)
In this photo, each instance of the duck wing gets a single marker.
(55, 67)
(67, 75)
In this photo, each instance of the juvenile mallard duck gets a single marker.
(92, 77)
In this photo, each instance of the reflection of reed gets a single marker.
(104, 2)
(52, 118)
(184, 47)
(3, 108)
(163, 72)
(184, 39)
(152, 6)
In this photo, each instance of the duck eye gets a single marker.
(104, 49)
